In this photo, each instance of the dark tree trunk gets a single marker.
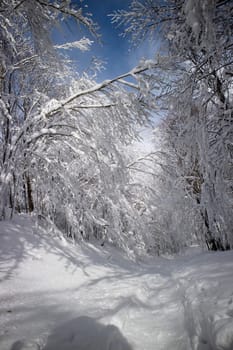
(29, 194)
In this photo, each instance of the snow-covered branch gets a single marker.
(83, 44)
(98, 87)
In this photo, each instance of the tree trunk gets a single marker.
(29, 194)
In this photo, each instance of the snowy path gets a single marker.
(65, 297)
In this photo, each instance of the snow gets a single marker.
(55, 295)
(82, 44)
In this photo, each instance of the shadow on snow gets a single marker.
(82, 333)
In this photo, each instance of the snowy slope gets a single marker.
(58, 296)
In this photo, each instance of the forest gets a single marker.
(66, 140)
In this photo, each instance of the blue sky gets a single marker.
(115, 50)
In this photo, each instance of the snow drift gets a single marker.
(59, 296)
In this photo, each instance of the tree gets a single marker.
(197, 38)
(62, 134)
(30, 76)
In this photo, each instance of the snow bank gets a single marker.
(55, 295)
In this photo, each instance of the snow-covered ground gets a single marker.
(58, 296)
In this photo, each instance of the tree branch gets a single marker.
(101, 86)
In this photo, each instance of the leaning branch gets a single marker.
(101, 86)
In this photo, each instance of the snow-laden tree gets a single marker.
(158, 189)
(64, 137)
(62, 134)
(197, 102)
(82, 177)
(31, 74)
